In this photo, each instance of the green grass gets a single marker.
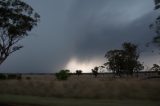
(46, 101)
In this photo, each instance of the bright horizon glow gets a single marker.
(85, 66)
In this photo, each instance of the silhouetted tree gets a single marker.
(78, 72)
(95, 71)
(123, 61)
(130, 58)
(156, 68)
(115, 58)
(16, 19)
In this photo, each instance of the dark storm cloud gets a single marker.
(105, 24)
(84, 29)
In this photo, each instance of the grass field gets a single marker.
(45, 90)
(83, 87)
(12, 100)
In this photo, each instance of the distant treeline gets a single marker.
(4, 76)
(18, 76)
(73, 73)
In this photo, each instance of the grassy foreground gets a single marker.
(13, 100)
(83, 87)
(46, 90)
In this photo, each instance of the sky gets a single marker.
(76, 34)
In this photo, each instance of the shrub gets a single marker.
(15, 76)
(3, 76)
(62, 75)
(158, 72)
(12, 76)
(28, 78)
(78, 72)
(19, 77)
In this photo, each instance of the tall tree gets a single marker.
(115, 58)
(123, 61)
(131, 56)
(17, 18)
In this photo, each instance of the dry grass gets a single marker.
(85, 86)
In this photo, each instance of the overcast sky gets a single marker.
(75, 34)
